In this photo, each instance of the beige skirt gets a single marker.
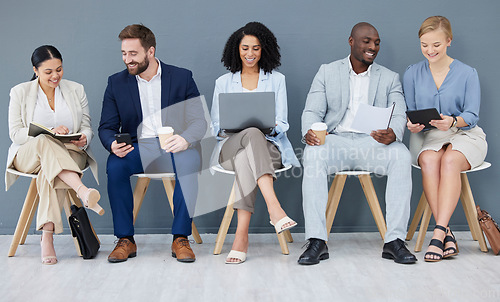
(471, 143)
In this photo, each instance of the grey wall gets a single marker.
(192, 34)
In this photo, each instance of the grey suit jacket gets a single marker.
(23, 98)
(328, 97)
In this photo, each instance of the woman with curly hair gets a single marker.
(251, 55)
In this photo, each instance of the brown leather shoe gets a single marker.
(182, 251)
(124, 249)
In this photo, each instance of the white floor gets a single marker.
(354, 272)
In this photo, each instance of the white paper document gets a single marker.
(369, 118)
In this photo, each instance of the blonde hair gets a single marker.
(436, 22)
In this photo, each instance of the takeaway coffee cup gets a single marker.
(320, 130)
(163, 134)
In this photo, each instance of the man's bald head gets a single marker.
(361, 25)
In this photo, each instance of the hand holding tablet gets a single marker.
(423, 117)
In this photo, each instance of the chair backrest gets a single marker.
(484, 165)
(416, 143)
(220, 169)
(14, 171)
(353, 172)
(155, 175)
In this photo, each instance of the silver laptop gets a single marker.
(241, 110)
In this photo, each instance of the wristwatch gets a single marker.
(454, 121)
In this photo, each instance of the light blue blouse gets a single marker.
(459, 95)
(275, 81)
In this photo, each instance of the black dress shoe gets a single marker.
(397, 251)
(316, 250)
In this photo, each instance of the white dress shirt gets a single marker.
(358, 93)
(150, 96)
(44, 115)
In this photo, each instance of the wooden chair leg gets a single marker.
(423, 227)
(169, 185)
(141, 187)
(466, 206)
(30, 220)
(288, 236)
(333, 200)
(416, 217)
(470, 208)
(226, 221)
(371, 197)
(28, 205)
(196, 235)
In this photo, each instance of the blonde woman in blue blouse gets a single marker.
(457, 144)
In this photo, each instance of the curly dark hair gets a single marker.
(270, 57)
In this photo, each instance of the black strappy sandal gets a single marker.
(453, 250)
(437, 243)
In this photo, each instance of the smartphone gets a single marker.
(123, 138)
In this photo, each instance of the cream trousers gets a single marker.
(250, 156)
(47, 157)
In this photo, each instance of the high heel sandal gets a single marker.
(90, 202)
(453, 250)
(48, 260)
(437, 243)
(280, 225)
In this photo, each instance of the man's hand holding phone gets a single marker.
(122, 145)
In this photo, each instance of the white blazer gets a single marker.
(23, 98)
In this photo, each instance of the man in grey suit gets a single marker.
(336, 92)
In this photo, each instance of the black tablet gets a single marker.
(423, 117)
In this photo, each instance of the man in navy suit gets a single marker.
(139, 100)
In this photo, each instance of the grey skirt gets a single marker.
(471, 143)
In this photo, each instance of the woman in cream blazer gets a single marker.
(61, 105)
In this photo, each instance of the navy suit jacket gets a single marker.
(122, 113)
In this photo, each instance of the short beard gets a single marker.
(366, 62)
(141, 67)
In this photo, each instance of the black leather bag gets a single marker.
(84, 233)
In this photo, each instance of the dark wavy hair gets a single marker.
(42, 54)
(270, 57)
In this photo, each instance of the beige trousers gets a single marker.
(47, 157)
(250, 156)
